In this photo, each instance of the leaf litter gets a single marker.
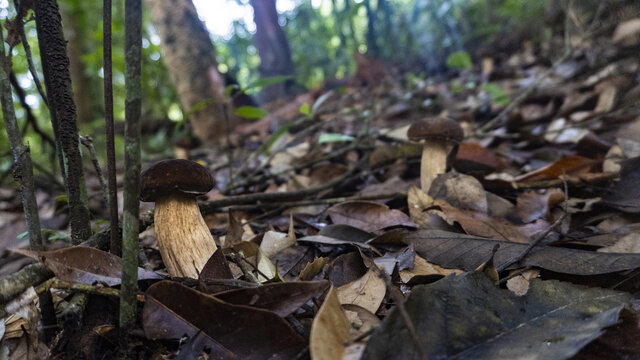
(303, 267)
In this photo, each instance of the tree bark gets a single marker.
(191, 60)
(55, 65)
(273, 48)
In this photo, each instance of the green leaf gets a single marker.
(497, 95)
(459, 60)
(62, 198)
(229, 89)
(272, 80)
(332, 137)
(22, 235)
(304, 109)
(250, 112)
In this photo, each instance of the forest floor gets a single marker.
(332, 247)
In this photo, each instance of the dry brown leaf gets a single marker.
(366, 292)
(472, 156)
(367, 215)
(533, 205)
(627, 33)
(571, 165)
(629, 243)
(312, 269)
(519, 284)
(479, 224)
(329, 330)
(460, 190)
(273, 242)
(422, 267)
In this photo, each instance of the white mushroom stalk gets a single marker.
(184, 239)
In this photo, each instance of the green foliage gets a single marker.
(459, 60)
(250, 112)
(332, 137)
(304, 109)
(497, 95)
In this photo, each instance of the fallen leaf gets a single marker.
(280, 298)
(459, 251)
(86, 265)
(571, 165)
(474, 157)
(519, 284)
(534, 205)
(368, 215)
(366, 292)
(329, 330)
(273, 242)
(422, 267)
(468, 317)
(173, 310)
(460, 190)
(627, 33)
(346, 268)
(404, 259)
(312, 269)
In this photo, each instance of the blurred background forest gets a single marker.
(418, 38)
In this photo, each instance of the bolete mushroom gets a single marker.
(438, 135)
(184, 238)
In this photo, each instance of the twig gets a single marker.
(226, 282)
(87, 141)
(116, 239)
(30, 118)
(227, 123)
(329, 201)
(543, 235)
(27, 53)
(23, 170)
(55, 283)
(245, 270)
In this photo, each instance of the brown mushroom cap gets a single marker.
(174, 176)
(436, 128)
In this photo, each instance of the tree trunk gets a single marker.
(273, 48)
(372, 45)
(191, 60)
(55, 66)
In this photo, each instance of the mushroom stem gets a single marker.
(184, 238)
(433, 162)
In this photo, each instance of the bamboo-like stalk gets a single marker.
(133, 100)
(116, 239)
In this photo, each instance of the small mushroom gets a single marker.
(184, 238)
(439, 135)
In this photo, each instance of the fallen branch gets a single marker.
(15, 284)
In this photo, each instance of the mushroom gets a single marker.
(184, 238)
(439, 134)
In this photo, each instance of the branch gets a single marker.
(23, 170)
